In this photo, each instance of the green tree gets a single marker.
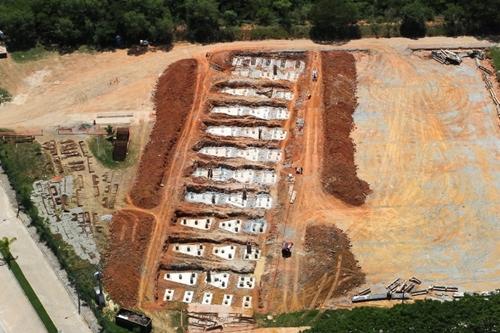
(202, 20)
(135, 26)
(413, 19)
(18, 23)
(7, 256)
(333, 19)
(454, 17)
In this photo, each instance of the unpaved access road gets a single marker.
(40, 275)
(61, 90)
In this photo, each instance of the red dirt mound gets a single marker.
(129, 237)
(339, 98)
(329, 258)
(173, 98)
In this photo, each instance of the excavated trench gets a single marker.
(179, 213)
(192, 267)
(241, 144)
(258, 93)
(241, 123)
(245, 83)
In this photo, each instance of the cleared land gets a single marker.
(426, 139)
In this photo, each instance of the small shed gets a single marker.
(120, 145)
(122, 133)
(120, 149)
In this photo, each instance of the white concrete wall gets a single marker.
(253, 154)
(260, 112)
(261, 200)
(246, 176)
(256, 133)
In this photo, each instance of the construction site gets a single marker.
(274, 176)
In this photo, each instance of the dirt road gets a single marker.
(61, 90)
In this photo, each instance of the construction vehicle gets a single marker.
(315, 75)
(286, 249)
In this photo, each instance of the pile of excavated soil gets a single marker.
(325, 246)
(339, 98)
(129, 237)
(173, 99)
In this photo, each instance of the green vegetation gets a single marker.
(25, 285)
(5, 96)
(102, 149)
(36, 53)
(68, 24)
(494, 53)
(290, 319)
(24, 163)
(470, 314)
(413, 19)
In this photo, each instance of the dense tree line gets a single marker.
(113, 23)
(471, 314)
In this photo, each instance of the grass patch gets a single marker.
(102, 149)
(36, 53)
(24, 163)
(495, 56)
(5, 96)
(30, 294)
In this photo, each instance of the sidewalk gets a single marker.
(16, 312)
(40, 275)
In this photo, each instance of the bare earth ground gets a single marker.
(426, 139)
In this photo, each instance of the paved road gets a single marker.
(42, 278)
(16, 312)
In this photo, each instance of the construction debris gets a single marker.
(446, 57)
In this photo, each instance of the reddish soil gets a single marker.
(330, 259)
(339, 98)
(130, 233)
(173, 98)
(221, 59)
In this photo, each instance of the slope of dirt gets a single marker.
(129, 237)
(329, 257)
(339, 171)
(173, 99)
